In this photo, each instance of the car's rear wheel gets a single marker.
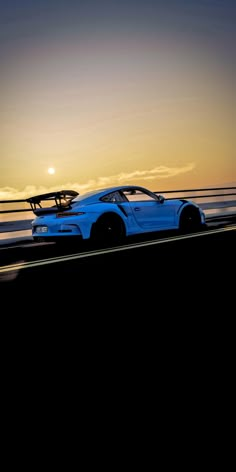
(109, 229)
(190, 220)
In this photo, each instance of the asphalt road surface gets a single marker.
(172, 261)
(157, 305)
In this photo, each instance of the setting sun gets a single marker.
(117, 95)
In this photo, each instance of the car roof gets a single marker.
(99, 193)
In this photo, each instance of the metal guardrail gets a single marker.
(221, 199)
(217, 202)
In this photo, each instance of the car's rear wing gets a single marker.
(61, 199)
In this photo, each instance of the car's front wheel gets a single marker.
(38, 239)
(109, 229)
(190, 220)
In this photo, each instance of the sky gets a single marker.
(109, 92)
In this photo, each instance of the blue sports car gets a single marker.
(110, 214)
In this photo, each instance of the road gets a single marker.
(172, 261)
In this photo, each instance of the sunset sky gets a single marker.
(109, 92)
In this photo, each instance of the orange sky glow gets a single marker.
(152, 105)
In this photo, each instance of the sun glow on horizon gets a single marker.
(112, 94)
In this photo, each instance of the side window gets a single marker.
(113, 197)
(139, 196)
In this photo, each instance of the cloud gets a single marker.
(159, 172)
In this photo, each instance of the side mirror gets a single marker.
(161, 199)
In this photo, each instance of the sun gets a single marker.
(51, 170)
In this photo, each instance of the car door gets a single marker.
(150, 213)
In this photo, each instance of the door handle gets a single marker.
(137, 209)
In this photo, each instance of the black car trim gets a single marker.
(122, 209)
(57, 197)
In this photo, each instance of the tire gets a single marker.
(38, 239)
(190, 220)
(109, 229)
